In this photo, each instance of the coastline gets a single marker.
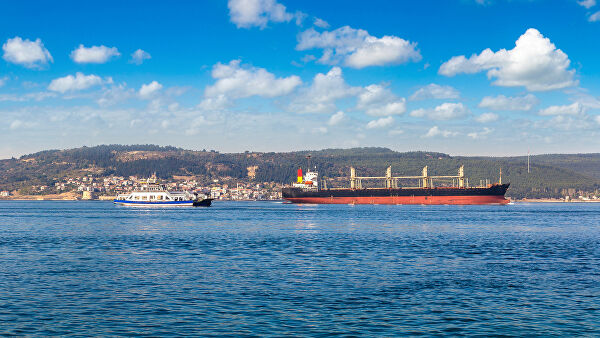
(71, 197)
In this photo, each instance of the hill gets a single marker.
(551, 175)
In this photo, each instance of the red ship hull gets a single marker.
(458, 200)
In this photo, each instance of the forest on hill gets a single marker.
(550, 175)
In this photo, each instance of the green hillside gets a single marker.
(549, 177)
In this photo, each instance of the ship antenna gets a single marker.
(308, 159)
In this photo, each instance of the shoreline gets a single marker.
(110, 199)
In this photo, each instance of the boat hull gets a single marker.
(458, 196)
(197, 203)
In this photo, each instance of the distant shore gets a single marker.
(553, 200)
(77, 197)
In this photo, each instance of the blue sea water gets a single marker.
(272, 269)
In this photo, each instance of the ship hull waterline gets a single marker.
(199, 203)
(401, 200)
(493, 195)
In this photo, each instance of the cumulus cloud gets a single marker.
(139, 56)
(597, 119)
(378, 100)
(324, 91)
(94, 54)
(445, 111)
(235, 81)
(486, 118)
(515, 103)
(480, 134)
(336, 118)
(356, 48)
(587, 3)
(257, 13)
(572, 109)
(436, 131)
(434, 91)
(148, 91)
(30, 54)
(380, 123)
(535, 63)
(72, 83)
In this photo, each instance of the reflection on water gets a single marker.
(260, 268)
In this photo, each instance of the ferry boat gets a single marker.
(308, 190)
(152, 193)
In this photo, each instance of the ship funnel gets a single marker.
(299, 175)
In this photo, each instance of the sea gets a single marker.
(246, 269)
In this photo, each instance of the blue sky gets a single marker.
(468, 77)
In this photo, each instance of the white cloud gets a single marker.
(434, 91)
(445, 111)
(486, 118)
(567, 123)
(588, 101)
(587, 3)
(377, 100)
(94, 54)
(139, 56)
(30, 54)
(515, 103)
(115, 94)
(325, 90)
(3, 80)
(572, 109)
(380, 123)
(395, 132)
(534, 63)
(249, 13)
(594, 17)
(235, 81)
(147, 91)
(36, 96)
(436, 131)
(597, 118)
(336, 118)
(72, 83)
(321, 23)
(319, 130)
(16, 124)
(480, 134)
(357, 49)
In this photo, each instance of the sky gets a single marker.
(464, 77)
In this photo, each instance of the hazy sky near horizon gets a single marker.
(465, 77)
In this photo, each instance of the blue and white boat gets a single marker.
(153, 194)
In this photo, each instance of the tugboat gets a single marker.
(151, 193)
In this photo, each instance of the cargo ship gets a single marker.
(308, 190)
